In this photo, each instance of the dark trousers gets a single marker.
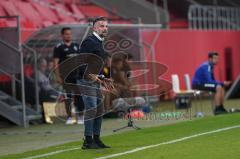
(93, 115)
(205, 87)
(79, 104)
(93, 103)
(73, 99)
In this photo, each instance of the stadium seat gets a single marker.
(11, 23)
(46, 13)
(4, 78)
(93, 11)
(26, 33)
(181, 93)
(176, 86)
(28, 70)
(68, 1)
(47, 23)
(51, 1)
(121, 22)
(29, 12)
(2, 11)
(45, 1)
(26, 0)
(76, 11)
(178, 24)
(28, 24)
(197, 94)
(3, 23)
(62, 12)
(12, 10)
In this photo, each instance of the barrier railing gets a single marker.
(213, 17)
(35, 77)
(17, 50)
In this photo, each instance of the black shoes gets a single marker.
(90, 145)
(220, 110)
(93, 144)
(223, 109)
(100, 143)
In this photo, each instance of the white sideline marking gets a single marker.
(52, 153)
(168, 142)
(136, 149)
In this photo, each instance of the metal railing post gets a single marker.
(37, 107)
(14, 80)
(25, 120)
(13, 84)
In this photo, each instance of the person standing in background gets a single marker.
(63, 51)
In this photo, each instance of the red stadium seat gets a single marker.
(121, 22)
(3, 23)
(2, 11)
(28, 70)
(93, 11)
(46, 13)
(36, 14)
(51, 1)
(62, 12)
(4, 78)
(68, 1)
(178, 24)
(11, 23)
(47, 23)
(45, 1)
(11, 9)
(76, 11)
(29, 12)
(26, 33)
(28, 24)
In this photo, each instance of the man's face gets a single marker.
(50, 65)
(43, 66)
(101, 28)
(67, 36)
(214, 59)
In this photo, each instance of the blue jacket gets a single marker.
(204, 74)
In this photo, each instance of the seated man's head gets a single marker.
(213, 57)
(50, 64)
(42, 65)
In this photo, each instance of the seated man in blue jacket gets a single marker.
(204, 80)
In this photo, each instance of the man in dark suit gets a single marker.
(93, 45)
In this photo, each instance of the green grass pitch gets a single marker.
(218, 145)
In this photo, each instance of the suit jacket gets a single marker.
(93, 45)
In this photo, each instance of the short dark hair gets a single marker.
(99, 19)
(64, 29)
(211, 54)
